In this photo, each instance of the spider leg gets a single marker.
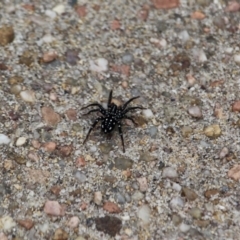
(101, 108)
(92, 127)
(132, 108)
(121, 135)
(110, 98)
(130, 100)
(130, 118)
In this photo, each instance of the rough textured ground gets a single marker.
(179, 177)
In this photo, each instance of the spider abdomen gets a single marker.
(108, 124)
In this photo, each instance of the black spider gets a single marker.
(111, 116)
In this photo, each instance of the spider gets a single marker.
(111, 116)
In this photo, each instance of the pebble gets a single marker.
(49, 116)
(21, 141)
(99, 65)
(7, 223)
(3, 236)
(71, 114)
(223, 153)
(59, 9)
(169, 172)
(127, 58)
(234, 172)
(80, 162)
(189, 194)
(15, 89)
(50, 13)
(15, 80)
(176, 219)
(28, 96)
(184, 36)
(108, 224)
(4, 139)
(186, 131)
(195, 111)
(148, 113)
(152, 131)
(233, 6)
(120, 198)
(49, 56)
(143, 185)
(49, 146)
(183, 227)
(195, 212)
(144, 213)
(80, 177)
(111, 207)
(123, 163)
(211, 192)
(6, 35)
(73, 222)
(236, 106)
(213, 131)
(26, 223)
(60, 234)
(177, 202)
(97, 198)
(137, 196)
(53, 208)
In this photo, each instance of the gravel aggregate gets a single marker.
(179, 177)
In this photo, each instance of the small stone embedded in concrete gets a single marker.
(111, 207)
(28, 96)
(144, 213)
(169, 172)
(21, 141)
(108, 224)
(7, 223)
(97, 198)
(195, 111)
(53, 208)
(26, 223)
(60, 234)
(6, 35)
(4, 139)
(143, 184)
(234, 172)
(213, 131)
(73, 222)
(50, 116)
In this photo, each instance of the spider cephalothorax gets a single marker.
(111, 116)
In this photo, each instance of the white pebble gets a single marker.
(195, 111)
(229, 50)
(48, 38)
(183, 227)
(21, 141)
(148, 113)
(223, 153)
(169, 172)
(176, 187)
(202, 56)
(43, 227)
(27, 96)
(7, 223)
(237, 58)
(144, 213)
(184, 36)
(177, 202)
(97, 198)
(59, 9)
(50, 13)
(93, 149)
(4, 139)
(99, 65)
(73, 222)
